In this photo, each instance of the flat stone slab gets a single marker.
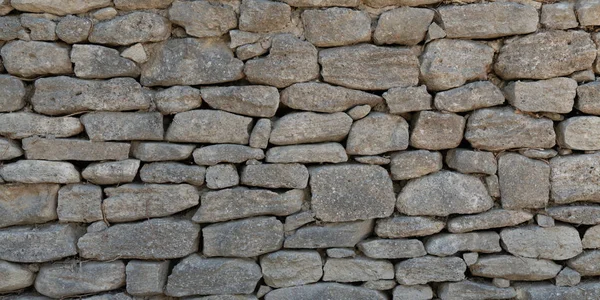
(551, 95)
(172, 172)
(576, 214)
(252, 100)
(156, 151)
(494, 218)
(392, 248)
(226, 153)
(312, 153)
(111, 172)
(407, 226)
(323, 97)
(290, 176)
(291, 268)
(426, 269)
(16, 277)
(357, 269)
(587, 264)
(22, 204)
(309, 127)
(514, 268)
(322, 291)
(40, 171)
(209, 126)
(74, 149)
(20, 125)
(135, 27)
(445, 244)
(575, 178)
(471, 96)
(329, 235)
(60, 7)
(556, 243)
(34, 58)
(118, 126)
(470, 290)
(336, 26)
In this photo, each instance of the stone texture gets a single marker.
(412, 292)
(551, 95)
(392, 248)
(406, 99)
(514, 268)
(568, 277)
(404, 26)
(357, 269)
(494, 218)
(243, 238)
(322, 97)
(15, 277)
(313, 153)
(323, 291)
(9, 149)
(377, 133)
(345, 234)
(177, 99)
(209, 126)
(254, 101)
(471, 96)
(470, 290)
(587, 264)
(25, 124)
(579, 133)
(113, 172)
(73, 29)
(79, 203)
(586, 98)
(10, 27)
(406, 226)
(31, 59)
(22, 204)
(543, 290)
(259, 137)
(309, 127)
(39, 171)
(153, 151)
(436, 131)
(445, 244)
(59, 7)
(73, 149)
(263, 15)
(13, 92)
(558, 16)
(146, 278)
(336, 26)
(291, 268)
(116, 126)
(297, 220)
(413, 164)
(557, 243)
(291, 176)
(588, 12)
(380, 285)
(587, 215)
(136, 27)
(230, 153)
(141, 4)
(591, 238)
(93, 61)
(574, 178)
(172, 172)
(467, 161)
(524, 182)
(203, 18)
(222, 176)
(41, 28)
(426, 269)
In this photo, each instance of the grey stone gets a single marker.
(544, 290)
(587, 215)
(262, 291)
(586, 98)
(372, 160)
(313, 153)
(249, 51)
(141, 4)
(514, 268)
(437, 130)
(404, 26)
(591, 238)
(322, 3)
(392, 248)
(524, 182)
(153, 239)
(579, 133)
(209, 126)
(291, 267)
(15, 277)
(551, 95)
(92, 61)
(434, 32)
(13, 93)
(493, 185)
(136, 201)
(369, 67)
(9, 149)
(225, 297)
(10, 27)
(203, 18)
(426, 269)
(380, 285)
(106, 13)
(470, 290)
(229, 153)
(325, 291)
(264, 15)
(488, 20)
(471, 96)
(575, 178)
(568, 277)
(259, 137)
(146, 278)
(295, 221)
(503, 128)
(309, 127)
(406, 226)
(494, 218)
(340, 252)
(39, 171)
(177, 99)
(467, 161)
(544, 221)
(254, 101)
(359, 112)
(112, 172)
(587, 264)
(500, 282)
(31, 59)
(136, 27)
(41, 28)
(545, 55)
(416, 163)
(588, 12)
(73, 29)
(448, 63)
(351, 192)
(345, 234)
(558, 15)
(290, 176)
(322, 97)
(357, 269)
(59, 7)
(290, 61)
(36, 244)
(71, 279)
(445, 244)
(412, 292)
(113, 296)
(20, 125)
(444, 193)
(406, 99)
(73, 149)
(22, 204)
(471, 258)
(336, 26)
(153, 151)
(539, 153)
(172, 172)
(240, 38)
(222, 176)
(377, 133)
(243, 238)
(109, 126)
(79, 203)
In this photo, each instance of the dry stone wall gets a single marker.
(299, 149)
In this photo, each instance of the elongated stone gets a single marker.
(110, 126)
(309, 127)
(136, 27)
(546, 290)
(587, 264)
(445, 244)
(112, 172)
(580, 214)
(321, 3)
(574, 178)
(470, 290)
(471, 96)
(40, 171)
(59, 7)
(92, 61)
(377, 133)
(426, 269)
(228, 153)
(392, 248)
(344, 234)
(494, 218)
(357, 269)
(209, 126)
(22, 204)
(33, 58)
(291, 267)
(557, 242)
(177, 99)
(141, 4)
(20, 125)
(323, 291)
(153, 151)
(14, 93)
(322, 97)
(243, 238)
(15, 277)
(413, 164)
(172, 172)
(551, 95)
(406, 226)
(313, 153)
(514, 268)
(290, 176)
(254, 100)
(74, 149)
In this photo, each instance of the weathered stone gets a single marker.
(35, 244)
(153, 239)
(243, 238)
(92, 61)
(249, 51)
(471, 258)
(392, 248)
(15, 277)
(113, 172)
(437, 130)
(136, 27)
(9, 149)
(372, 160)
(471, 96)
(322, 3)
(229, 153)
(259, 137)
(141, 4)
(79, 203)
(545, 55)
(336, 26)
(322, 97)
(73, 29)
(587, 215)
(369, 67)
(539, 153)
(359, 112)
(20, 125)
(445, 244)
(313, 153)
(152, 151)
(434, 32)
(493, 185)
(412, 292)
(560, 15)
(10, 27)
(108, 126)
(444, 193)
(579, 133)
(203, 18)
(587, 264)
(412, 164)
(586, 98)
(380, 285)
(404, 26)
(172, 172)
(544, 221)
(22, 204)
(222, 176)
(39, 171)
(73, 149)
(136, 53)
(426, 269)
(494, 218)
(177, 99)
(71, 279)
(146, 278)
(190, 61)
(291, 176)
(470, 290)
(524, 182)
(290, 61)
(106, 13)
(575, 178)
(568, 277)
(345, 234)
(264, 15)
(255, 101)
(503, 128)
(13, 93)
(514, 268)
(323, 291)
(209, 126)
(31, 59)
(591, 238)
(406, 99)
(551, 95)
(290, 268)
(467, 161)
(545, 290)
(135, 201)
(41, 28)
(357, 269)
(59, 7)
(588, 12)
(240, 38)
(405, 226)
(340, 252)
(297, 220)
(377, 133)
(309, 127)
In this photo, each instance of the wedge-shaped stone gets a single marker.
(550, 95)
(404, 26)
(392, 248)
(254, 100)
(313, 153)
(514, 268)
(135, 201)
(412, 164)
(445, 244)
(36, 244)
(345, 234)
(40, 171)
(587, 264)
(290, 268)
(259, 137)
(488, 20)
(154, 239)
(545, 55)
(14, 93)
(33, 58)
(579, 133)
(209, 126)
(172, 172)
(289, 176)
(503, 128)
(74, 149)
(136, 27)
(323, 291)
(524, 182)
(336, 26)
(575, 178)
(322, 97)
(228, 153)
(557, 242)
(377, 133)
(405, 226)
(112, 172)
(309, 127)
(243, 238)
(59, 7)
(190, 61)
(77, 278)
(22, 204)
(20, 125)
(92, 61)
(357, 269)
(79, 203)
(153, 151)
(203, 18)
(369, 67)
(470, 290)
(9, 149)
(587, 215)
(471, 96)
(426, 269)
(351, 192)
(15, 277)
(494, 218)
(444, 193)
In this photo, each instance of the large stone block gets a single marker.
(524, 182)
(146, 278)
(291, 267)
(33, 58)
(310, 127)
(557, 242)
(136, 27)
(551, 95)
(22, 204)
(336, 26)
(377, 133)
(209, 126)
(575, 178)
(80, 203)
(20, 125)
(514, 268)
(426, 269)
(111, 126)
(413, 164)
(73, 149)
(404, 26)
(112, 172)
(445, 244)
(203, 18)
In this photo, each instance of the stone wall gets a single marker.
(299, 150)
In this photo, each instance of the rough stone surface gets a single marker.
(313, 153)
(413, 164)
(172, 172)
(392, 248)
(13, 93)
(73, 149)
(470, 290)
(377, 133)
(406, 99)
(136, 27)
(31, 59)
(309, 127)
(72, 29)
(579, 133)
(177, 99)
(586, 95)
(9, 149)
(263, 15)
(25, 124)
(323, 291)
(39, 171)
(587, 215)
(244, 238)
(291, 268)
(587, 12)
(290, 176)
(445, 244)
(203, 18)
(405, 226)
(357, 269)
(15, 277)
(551, 95)
(467, 161)
(59, 7)
(345, 234)
(101, 62)
(214, 154)
(209, 126)
(568, 277)
(591, 238)
(437, 131)
(514, 268)
(141, 4)
(336, 26)
(494, 218)
(255, 101)
(574, 178)
(558, 16)
(426, 269)
(79, 203)
(524, 182)
(22, 204)
(586, 263)
(404, 26)
(146, 278)
(322, 97)
(122, 171)
(259, 137)
(153, 151)
(471, 96)
(412, 292)
(222, 176)
(557, 243)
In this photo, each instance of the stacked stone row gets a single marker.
(304, 149)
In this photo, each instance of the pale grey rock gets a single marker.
(240, 38)
(254, 101)
(146, 278)
(434, 32)
(372, 160)
(493, 185)
(471, 258)
(243, 238)
(579, 133)
(312, 153)
(79, 203)
(10, 27)
(222, 176)
(471, 96)
(136, 53)
(336, 26)
(225, 297)
(412, 292)
(503, 128)
(445, 244)
(568, 277)
(295, 221)
(404, 26)
(73, 149)
(290, 61)
(114, 296)
(514, 268)
(92, 61)
(154, 239)
(575, 178)
(587, 264)
(36, 244)
(31, 59)
(264, 15)
(500, 282)
(106, 13)
(591, 238)
(136, 27)
(544, 290)
(141, 4)
(153, 151)
(262, 291)
(328, 235)
(228, 153)
(172, 172)
(325, 291)
(113, 172)
(73, 29)
(494, 218)
(340, 252)
(392, 248)
(5, 7)
(524, 182)
(136, 201)
(9, 149)
(560, 15)
(249, 51)
(13, 93)
(406, 226)
(357, 269)
(369, 67)
(322, 97)
(444, 193)
(470, 290)
(415, 163)
(377, 133)
(550, 95)
(209, 126)
(110, 126)
(177, 99)
(203, 18)
(544, 221)
(259, 137)
(437, 130)
(310, 127)
(322, 3)
(20, 125)
(22, 204)
(15, 277)
(59, 7)
(77, 278)
(448, 63)
(422, 270)
(586, 98)
(406, 99)
(467, 161)
(380, 285)
(588, 12)
(40, 27)
(359, 112)
(587, 215)
(583, 76)
(40, 171)
(290, 176)
(291, 268)
(539, 153)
